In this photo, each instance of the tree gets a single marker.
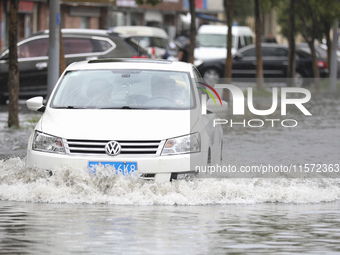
(258, 33)
(228, 7)
(329, 11)
(242, 9)
(62, 60)
(192, 30)
(309, 18)
(13, 74)
(313, 20)
(291, 43)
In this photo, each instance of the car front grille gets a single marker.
(98, 147)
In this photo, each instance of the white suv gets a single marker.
(154, 39)
(133, 116)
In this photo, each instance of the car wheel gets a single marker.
(212, 75)
(299, 80)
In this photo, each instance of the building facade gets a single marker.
(33, 15)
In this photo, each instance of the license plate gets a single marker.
(125, 168)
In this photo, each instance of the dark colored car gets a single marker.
(275, 62)
(321, 54)
(78, 44)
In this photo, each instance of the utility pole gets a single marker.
(53, 48)
(334, 62)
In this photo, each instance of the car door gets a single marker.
(3, 76)
(275, 61)
(244, 64)
(32, 62)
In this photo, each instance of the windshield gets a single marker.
(214, 40)
(124, 89)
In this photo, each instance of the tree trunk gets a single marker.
(315, 64)
(13, 73)
(192, 31)
(62, 61)
(328, 28)
(229, 10)
(228, 5)
(291, 43)
(259, 65)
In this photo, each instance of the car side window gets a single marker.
(240, 44)
(197, 75)
(143, 41)
(159, 42)
(34, 48)
(249, 53)
(280, 52)
(77, 45)
(198, 82)
(249, 40)
(302, 54)
(274, 52)
(85, 45)
(104, 45)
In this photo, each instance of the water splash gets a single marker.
(19, 183)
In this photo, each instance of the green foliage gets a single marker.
(242, 10)
(311, 17)
(245, 8)
(267, 5)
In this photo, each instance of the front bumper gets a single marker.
(145, 164)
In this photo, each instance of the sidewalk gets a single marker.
(13, 142)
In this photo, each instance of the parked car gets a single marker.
(321, 54)
(129, 115)
(275, 62)
(79, 44)
(154, 39)
(212, 41)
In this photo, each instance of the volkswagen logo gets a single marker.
(112, 148)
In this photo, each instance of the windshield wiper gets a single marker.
(74, 107)
(128, 107)
(125, 107)
(68, 107)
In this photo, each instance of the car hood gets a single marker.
(117, 124)
(205, 53)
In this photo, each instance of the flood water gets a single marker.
(73, 212)
(269, 228)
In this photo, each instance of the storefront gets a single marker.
(25, 20)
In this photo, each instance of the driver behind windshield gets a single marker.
(166, 87)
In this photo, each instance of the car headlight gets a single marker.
(184, 144)
(47, 143)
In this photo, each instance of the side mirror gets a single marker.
(217, 108)
(237, 56)
(212, 107)
(36, 104)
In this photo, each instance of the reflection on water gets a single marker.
(74, 212)
(272, 228)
